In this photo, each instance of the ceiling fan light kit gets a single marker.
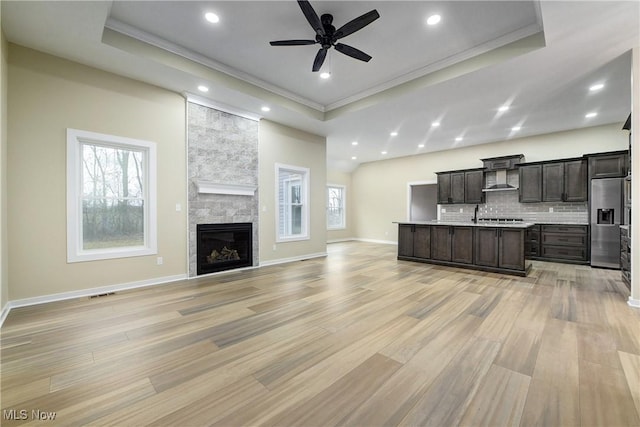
(327, 35)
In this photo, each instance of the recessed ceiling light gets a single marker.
(354, 143)
(202, 88)
(435, 124)
(596, 87)
(383, 152)
(420, 145)
(590, 115)
(516, 128)
(394, 134)
(353, 158)
(212, 17)
(325, 75)
(503, 108)
(459, 139)
(433, 19)
(265, 109)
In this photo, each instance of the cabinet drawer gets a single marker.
(561, 239)
(565, 252)
(577, 229)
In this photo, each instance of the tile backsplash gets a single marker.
(504, 204)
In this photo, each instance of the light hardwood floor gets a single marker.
(355, 339)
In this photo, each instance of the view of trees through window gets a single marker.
(335, 207)
(112, 197)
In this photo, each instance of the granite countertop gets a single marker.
(514, 224)
(562, 222)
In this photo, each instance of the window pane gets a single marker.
(111, 223)
(335, 207)
(111, 172)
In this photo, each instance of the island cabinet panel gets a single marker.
(530, 183)
(487, 247)
(462, 245)
(414, 241)
(441, 242)
(511, 253)
(500, 247)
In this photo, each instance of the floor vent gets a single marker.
(102, 295)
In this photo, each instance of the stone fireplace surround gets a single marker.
(223, 173)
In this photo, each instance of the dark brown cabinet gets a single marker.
(497, 249)
(441, 242)
(450, 187)
(557, 181)
(565, 181)
(462, 245)
(530, 183)
(500, 247)
(452, 243)
(460, 186)
(414, 240)
(608, 165)
(532, 242)
(473, 184)
(564, 243)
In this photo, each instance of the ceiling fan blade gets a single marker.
(311, 16)
(292, 42)
(317, 63)
(352, 52)
(356, 24)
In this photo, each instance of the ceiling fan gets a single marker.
(327, 35)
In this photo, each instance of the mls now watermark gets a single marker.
(24, 414)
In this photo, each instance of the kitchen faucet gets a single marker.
(475, 215)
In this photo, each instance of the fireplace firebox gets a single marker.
(224, 246)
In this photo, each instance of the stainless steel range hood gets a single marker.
(500, 166)
(501, 182)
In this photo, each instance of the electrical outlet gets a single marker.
(461, 210)
(444, 210)
(178, 207)
(159, 260)
(551, 210)
(274, 247)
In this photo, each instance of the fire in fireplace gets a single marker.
(224, 246)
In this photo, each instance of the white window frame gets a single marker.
(304, 235)
(343, 225)
(75, 252)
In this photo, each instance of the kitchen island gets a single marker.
(488, 246)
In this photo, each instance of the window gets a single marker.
(111, 192)
(336, 207)
(292, 201)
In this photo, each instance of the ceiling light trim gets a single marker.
(143, 36)
(502, 41)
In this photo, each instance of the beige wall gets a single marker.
(46, 96)
(4, 258)
(342, 178)
(378, 202)
(282, 144)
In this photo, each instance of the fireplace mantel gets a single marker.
(209, 187)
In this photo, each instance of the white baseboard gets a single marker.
(5, 312)
(384, 242)
(292, 259)
(348, 239)
(634, 302)
(87, 293)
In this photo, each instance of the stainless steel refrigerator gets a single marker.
(606, 217)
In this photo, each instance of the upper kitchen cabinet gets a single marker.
(530, 183)
(473, 183)
(556, 181)
(565, 181)
(608, 165)
(460, 186)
